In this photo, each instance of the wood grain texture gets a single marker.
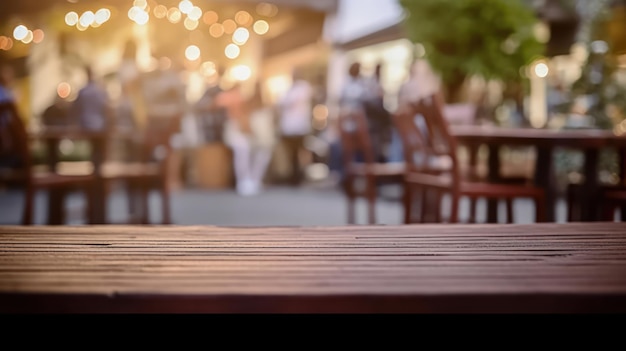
(573, 267)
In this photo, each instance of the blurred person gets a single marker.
(93, 111)
(295, 113)
(92, 107)
(557, 98)
(166, 106)
(211, 118)
(249, 133)
(131, 109)
(364, 94)
(421, 82)
(378, 117)
(164, 94)
(354, 90)
(320, 93)
(58, 113)
(7, 76)
(7, 159)
(351, 96)
(263, 137)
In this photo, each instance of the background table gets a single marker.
(589, 141)
(547, 267)
(98, 141)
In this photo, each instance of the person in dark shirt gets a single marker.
(57, 114)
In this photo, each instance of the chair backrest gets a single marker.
(14, 143)
(355, 138)
(425, 135)
(156, 142)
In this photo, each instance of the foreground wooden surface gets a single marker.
(546, 267)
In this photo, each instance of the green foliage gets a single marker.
(598, 80)
(489, 38)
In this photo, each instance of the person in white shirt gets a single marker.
(295, 109)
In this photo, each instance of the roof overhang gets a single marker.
(30, 7)
(392, 32)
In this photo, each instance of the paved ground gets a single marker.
(277, 206)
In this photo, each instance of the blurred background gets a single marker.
(560, 64)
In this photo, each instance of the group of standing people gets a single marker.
(252, 128)
(367, 94)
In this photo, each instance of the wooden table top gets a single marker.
(529, 136)
(464, 268)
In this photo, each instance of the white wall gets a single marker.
(357, 18)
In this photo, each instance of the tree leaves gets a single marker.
(468, 36)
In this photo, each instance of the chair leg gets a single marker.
(608, 211)
(437, 204)
(144, 191)
(29, 206)
(348, 190)
(131, 196)
(423, 196)
(165, 203)
(371, 201)
(407, 200)
(472, 210)
(509, 210)
(569, 193)
(540, 209)
(454, 207)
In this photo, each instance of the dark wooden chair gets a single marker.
(362, 173)
(17, 169)
(433, 166)
(609, 198)
(147, 170)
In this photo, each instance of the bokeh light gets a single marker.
(229, 26)
(208, 68)
(192, 53)
(241, 72)
(102, 15)
(243, 18)
(232, 51)
(38, 36)
(261, 27)
(28, 38)
(185, 6)
(71, 18)
(190, 24)
(210, 17)
(541, 70)
(87, 18)
(267, 9)
(160, 11)
(195, 13)
(174, 15)
(240, 36)
(20, 32)
(216, 30)
(64, 90)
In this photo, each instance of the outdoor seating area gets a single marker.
(312, 156)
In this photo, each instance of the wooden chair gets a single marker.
(16, 168)
(147, 171)
(362, 174)
(609, 198)
(432, 165)
(612, 198)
